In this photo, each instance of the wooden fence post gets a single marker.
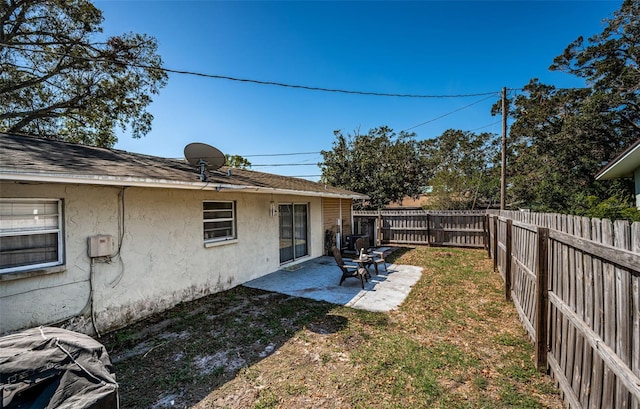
(379, 238)
(507, 267)
(428, 230)
(542, 299)
(495, 243)
(487, 234)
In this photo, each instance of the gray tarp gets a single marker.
(46, 368)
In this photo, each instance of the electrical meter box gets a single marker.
(101, 245)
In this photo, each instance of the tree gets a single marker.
(561, 137)
(58, 80)
(610, 62)
(237, 161)
(559, 140)
(465, 169)
(381, 164)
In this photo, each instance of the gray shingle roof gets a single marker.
(31, 158)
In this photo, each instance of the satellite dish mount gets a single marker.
(202, 170)
(204, 157)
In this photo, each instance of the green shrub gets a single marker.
(616, 207)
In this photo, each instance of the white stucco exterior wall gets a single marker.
(163, 259)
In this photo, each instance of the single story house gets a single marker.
(625, 165)
(99, 238)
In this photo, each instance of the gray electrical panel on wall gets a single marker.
(101, 245)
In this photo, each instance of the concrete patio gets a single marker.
(318, 279)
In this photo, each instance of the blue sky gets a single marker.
(419, 47)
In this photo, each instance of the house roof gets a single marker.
(408, 202)
(623, 165)
(28, 158)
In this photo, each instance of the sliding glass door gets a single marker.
(293, 231)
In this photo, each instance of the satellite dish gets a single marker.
(204, 157)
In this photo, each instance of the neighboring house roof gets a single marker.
(408, 202)
(622, 166)
(27, 158)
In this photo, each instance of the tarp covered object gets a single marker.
(46, 368)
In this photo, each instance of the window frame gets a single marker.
(232, 219)
(307, 207)
(59, 231)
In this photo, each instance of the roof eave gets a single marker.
(11, 175)
(623, 166)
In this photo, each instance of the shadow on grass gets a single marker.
(176, 358)
(454, 343)
(328, 324)
(397, 253)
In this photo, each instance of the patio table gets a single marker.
(365, 261)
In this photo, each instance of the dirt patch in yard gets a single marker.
(454, 343)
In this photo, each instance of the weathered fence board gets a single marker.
(523, 275)
(452, 228)
(635, 297)
(542, 298)
(623, 323)
(598, 310)
(587, 352)
(575, 283)
(593, 318)
(609, 316)
(579, 351)
(615, 365)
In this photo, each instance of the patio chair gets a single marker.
(375, 260)
(349, 270)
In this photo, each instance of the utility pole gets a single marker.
(503, 169)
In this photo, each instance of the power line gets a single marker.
(312, 88)
(486, 126)
(253, 81)
(260, 82)
(287, 164)
(280, 154)
(493, 94)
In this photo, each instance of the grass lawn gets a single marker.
(454, 343)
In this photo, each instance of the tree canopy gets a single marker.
(381, 164)
(237, 161)
(560, 138)
(59, 79)
(610, 62)
(464, 169)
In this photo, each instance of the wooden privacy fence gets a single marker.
(446, 228)
(576, 285)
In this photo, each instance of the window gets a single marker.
(30, 234)
(219, 219)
